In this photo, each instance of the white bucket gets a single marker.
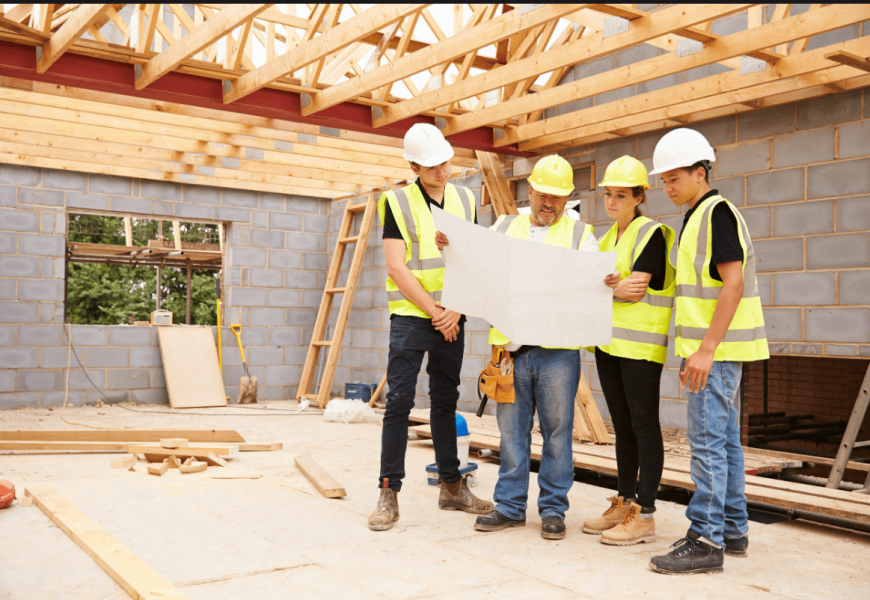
(462, 442)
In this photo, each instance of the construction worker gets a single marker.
(719, 326)
(418, 324)
(545, 379)
(630, 367)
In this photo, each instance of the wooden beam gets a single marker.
(201, 37)
(123, 435)
(685, 99)
(128, 570)
(496, 183)
(84, 16)
(584, 49)
(30, 32)
(825, 19)
(336, 39)
(456, 47)
(183, 451)
(322, 480)
(849, 59)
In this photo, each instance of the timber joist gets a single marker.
(270, 77)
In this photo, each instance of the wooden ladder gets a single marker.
(318, 341)
(588, 424)
(848, 443)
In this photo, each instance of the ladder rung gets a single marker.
(349, 240)
(335, 290)
(355, 208)
(310, 396)
(322, 343)
(861, 444)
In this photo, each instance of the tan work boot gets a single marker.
(387, 511)
(611, 517)
(457, 496)
(634, 529)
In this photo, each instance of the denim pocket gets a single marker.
(732, 372)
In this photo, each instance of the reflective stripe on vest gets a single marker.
(519, 226)
(428, 266)
(640, 329)
(698, 293)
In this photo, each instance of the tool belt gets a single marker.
(496, 381)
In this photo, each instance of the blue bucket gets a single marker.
(359, 391)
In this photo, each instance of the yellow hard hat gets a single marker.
(552, 175)
(625, 171)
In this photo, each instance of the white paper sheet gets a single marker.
(534, 293)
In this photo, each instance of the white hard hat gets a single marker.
(681, 148)
(425, 146)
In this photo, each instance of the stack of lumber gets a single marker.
(848, 505)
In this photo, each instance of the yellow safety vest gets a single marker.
(640, 329)
(566, 232)
(418, 230)
(698, 293)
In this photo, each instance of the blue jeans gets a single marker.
(718, 507)
(546, 381)
(410, 339)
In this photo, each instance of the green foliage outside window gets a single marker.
(99, 294)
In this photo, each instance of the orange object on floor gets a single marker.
(7, 493)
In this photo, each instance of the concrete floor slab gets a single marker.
(277, 537)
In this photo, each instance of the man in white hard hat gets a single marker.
(545, 379)
(719, 326)
(418, 324)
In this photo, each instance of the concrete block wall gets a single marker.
(274, 271)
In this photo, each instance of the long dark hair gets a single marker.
(638, 191)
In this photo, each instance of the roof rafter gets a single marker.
(84, 16)
(202, 36)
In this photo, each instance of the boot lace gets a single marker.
(615, 504)
(686, 547)
(632, 514)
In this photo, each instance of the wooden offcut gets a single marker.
(190, 363)
(322, 480)
(159, 469)
(195, 467)
(128, 570)
(174, 443)
(184, 452)
(260, 447)
(123, 435)
(123, 463)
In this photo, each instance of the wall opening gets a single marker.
(114, 264)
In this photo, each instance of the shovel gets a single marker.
(247, 383)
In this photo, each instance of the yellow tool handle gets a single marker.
(237, 329)
(220, 345)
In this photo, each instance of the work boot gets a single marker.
(387, 511)
(612, 517)
(457, 496)
(635, 528)
(496, 521)
(738, 547)
(689, 555)
(553, 528)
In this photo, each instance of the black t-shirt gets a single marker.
(653, 260)
(391, 228)
(726, 241)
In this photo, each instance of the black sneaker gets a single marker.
(553, 528)
(689, 555)
(495, 521)
(738, 547)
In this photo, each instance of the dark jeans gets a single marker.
(410, 338)
(631, 388)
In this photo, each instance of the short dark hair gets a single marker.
(705, 164)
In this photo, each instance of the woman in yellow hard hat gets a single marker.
(630, 368)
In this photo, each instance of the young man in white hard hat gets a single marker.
(719, 326)
(418, 324)
(545, 379)
(630, 367)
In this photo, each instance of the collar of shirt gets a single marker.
(427, 197)
(692, 210)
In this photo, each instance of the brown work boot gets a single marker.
(634, 529)
(611, 517)
(387, 511)
(457, 496)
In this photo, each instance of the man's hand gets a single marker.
(698, 365)
(630, 288)
(441, 240)
(445, 320)
(612, 280)
(452, 334)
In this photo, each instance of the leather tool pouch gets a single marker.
(496, 381)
